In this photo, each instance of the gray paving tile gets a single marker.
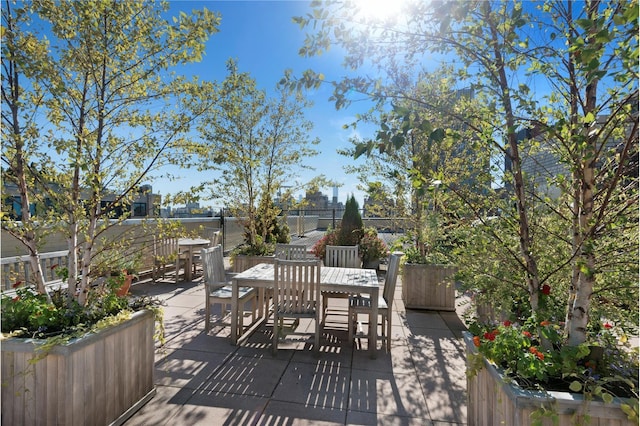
(443, 381)
(386, 393)
(217, 408)
(246, 376)
(162, 408)
(324, 384)
(188, 369)
(360, 418)
(398, 361)
(289, 413)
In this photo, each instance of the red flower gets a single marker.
(507, 323)
(15, 299)
(54, 266)
(533, 349)
(526, 333)
(17, 284)
(540, 355)
(476, 341)
(546, 290)
(607, 325)
(545, 323)
(490, 336)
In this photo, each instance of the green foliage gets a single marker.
(572, 230)
(91, 77)
(351, 227)
(371, 247)
(257, 143)
(29, 314)
(534, 354)
(330, 238)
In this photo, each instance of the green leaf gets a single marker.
(575, 386)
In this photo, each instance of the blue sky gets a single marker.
(261, 36)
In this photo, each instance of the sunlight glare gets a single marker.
(379, 10)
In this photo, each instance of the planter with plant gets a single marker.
(372, 249)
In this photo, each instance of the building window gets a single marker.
(139, 209)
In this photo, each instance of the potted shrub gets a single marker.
(372, 249)
(42, 341)
(330, 238)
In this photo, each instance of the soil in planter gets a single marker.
(617, 388)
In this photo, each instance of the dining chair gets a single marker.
(296, 294)
(214, 237)
(361, 304)
(166, 252)
(341, 257)
(285, 252)
(291, 251)
(218, 287)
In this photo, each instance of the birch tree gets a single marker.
(565, 70)
(90, 90)
(258, 143)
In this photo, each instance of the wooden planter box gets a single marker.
(428, 287)
(243, 262)
(493, 401)
(99, 379)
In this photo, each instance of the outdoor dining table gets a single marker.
(346, 280)
(187, 247)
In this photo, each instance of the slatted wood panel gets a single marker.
(492, 401)
(428, 287)
(342, 256)
(92, 381)
(241, 263)
(18, 268)
(291, 251)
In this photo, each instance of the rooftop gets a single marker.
(202, 379)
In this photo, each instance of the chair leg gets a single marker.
(389, 333)
(316, 343)
(207, 313)
(351, 324)
(274, 345)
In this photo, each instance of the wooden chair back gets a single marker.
(213, 267)
(291, 251)
(391, 277)
(296, 289)
(342, 256)
(214, 235)
(165, 249)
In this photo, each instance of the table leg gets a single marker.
(234, 311)
(373, 324)
(188, 265)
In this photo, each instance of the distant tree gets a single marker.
(351, 227)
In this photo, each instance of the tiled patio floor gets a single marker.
(202, 379)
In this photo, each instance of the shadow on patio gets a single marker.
(202, 379)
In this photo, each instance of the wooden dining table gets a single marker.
(346, 280)
(187, 248)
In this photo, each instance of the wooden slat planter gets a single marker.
(493, 401)
(100, 379)
(428, 287)
(243, 262)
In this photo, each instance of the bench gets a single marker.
(17, 268)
